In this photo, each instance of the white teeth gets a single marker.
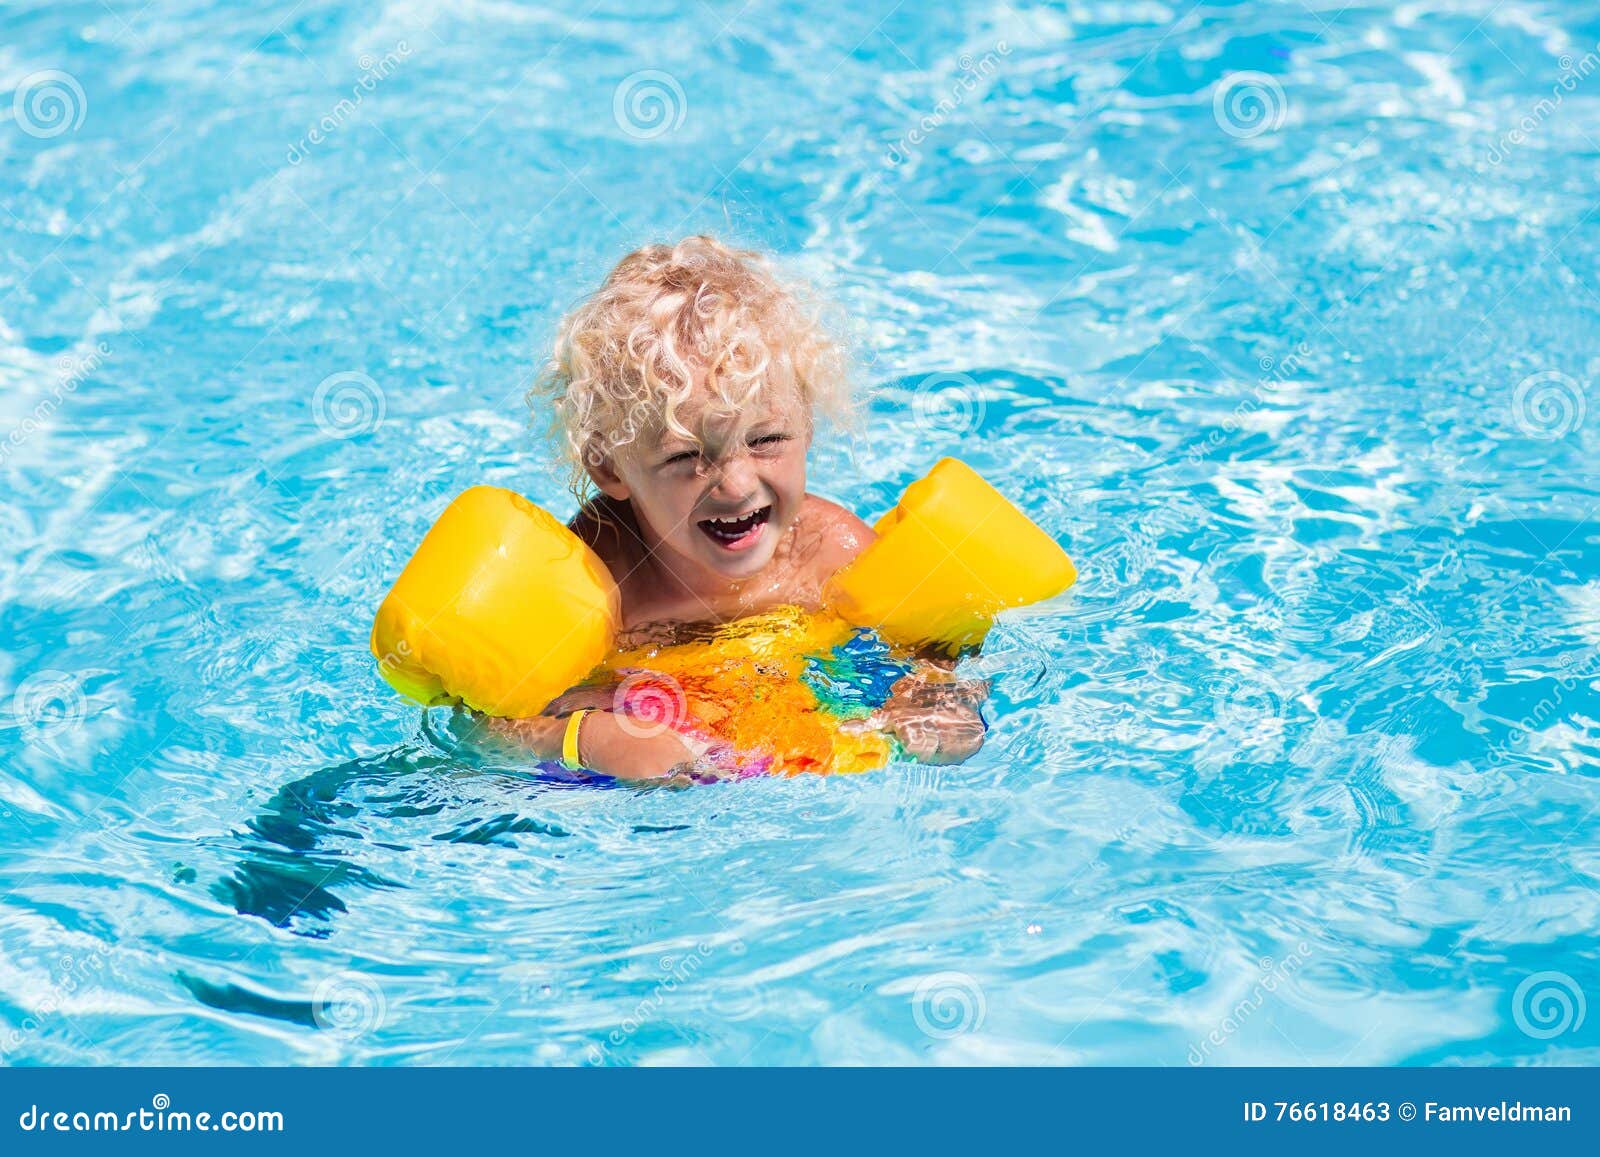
(735, 520)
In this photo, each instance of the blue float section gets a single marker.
(892, 1111)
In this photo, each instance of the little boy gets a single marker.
(684, 391)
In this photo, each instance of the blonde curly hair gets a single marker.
(667, 318)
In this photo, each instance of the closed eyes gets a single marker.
(765, 441)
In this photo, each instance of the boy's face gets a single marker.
(721, 502)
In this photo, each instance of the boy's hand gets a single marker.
(934, 716)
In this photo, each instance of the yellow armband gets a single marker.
(570, 757)
(948, 558)
(501, 608)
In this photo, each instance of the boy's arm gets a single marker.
(603, 743)
(933, 714)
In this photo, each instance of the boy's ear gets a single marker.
(603, 472)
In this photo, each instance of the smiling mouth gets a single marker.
(738, 533)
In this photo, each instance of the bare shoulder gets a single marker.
(606, 527)
(837, 531)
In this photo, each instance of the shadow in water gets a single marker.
(299, 851)
(232, 998)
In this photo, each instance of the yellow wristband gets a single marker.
(569, 741)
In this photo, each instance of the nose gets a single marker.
(736, 480)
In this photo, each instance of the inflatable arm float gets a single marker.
(502, 608)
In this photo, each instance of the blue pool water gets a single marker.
(1283, 317)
